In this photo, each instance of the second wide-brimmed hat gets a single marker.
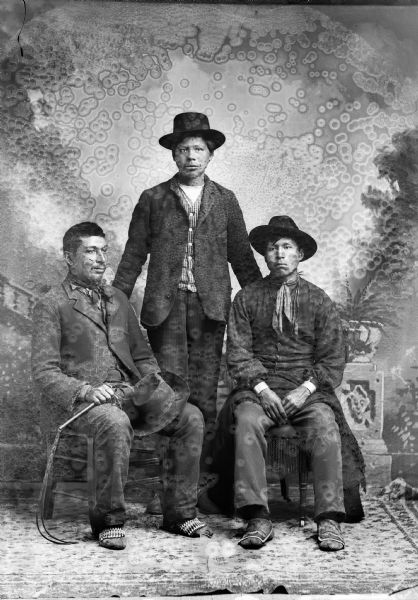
(282, 226)
(191, 124)
(156, 401)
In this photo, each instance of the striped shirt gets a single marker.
(187, 281)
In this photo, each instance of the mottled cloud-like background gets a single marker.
(306, 96)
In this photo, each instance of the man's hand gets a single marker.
(100, 395)
(272, 406)
(295, 399)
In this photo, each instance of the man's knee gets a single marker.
(323, 432)
(186, 433)
(250, 417)
(192, 418)
(323, 417)
(113, 421)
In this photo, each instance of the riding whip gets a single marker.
(40, 511)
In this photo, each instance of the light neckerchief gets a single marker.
(95, 294)
(286, 304)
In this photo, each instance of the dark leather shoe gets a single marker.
(154, 506)
(206, 505)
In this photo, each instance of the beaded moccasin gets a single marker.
(113, 538)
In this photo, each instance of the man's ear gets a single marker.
(68, 258)
(301, 253)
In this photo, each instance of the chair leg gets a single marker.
(303, 486)
(284, 490)
(91, 478)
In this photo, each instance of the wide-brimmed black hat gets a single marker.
(191, 124)
(282, 226)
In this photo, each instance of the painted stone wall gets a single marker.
(305, 101)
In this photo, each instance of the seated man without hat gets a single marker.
(88, 348)
(285, 350)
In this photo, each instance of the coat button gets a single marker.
(168, 296)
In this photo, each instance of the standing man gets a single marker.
(191, 227)
(88, 348)
(286, 351)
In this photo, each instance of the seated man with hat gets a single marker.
(88, 349)
(191, 227)
(285, 350)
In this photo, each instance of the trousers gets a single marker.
(189, 344)
(240, 449)
(112, 432)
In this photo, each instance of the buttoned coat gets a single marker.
(71, 343)
(159, 227)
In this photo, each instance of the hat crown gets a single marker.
(190, 121)
(283, 222)
(191, 124)
(282, 226)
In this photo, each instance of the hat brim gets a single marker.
(156, 401)
(261, 235)
(169, 140)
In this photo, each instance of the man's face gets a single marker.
(192, 156)
(283, 257)
(88, 263)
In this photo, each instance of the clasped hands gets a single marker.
(280, 410)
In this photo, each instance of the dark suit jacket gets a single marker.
(70, 344)
(159, 227)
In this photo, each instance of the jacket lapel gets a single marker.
(117, 337)
(83, 305)
(208, 199)
(174, 188)
(111, 303)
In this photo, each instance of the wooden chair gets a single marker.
(286, 454)
(74, 462)
(285, 448)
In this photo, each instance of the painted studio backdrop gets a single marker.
(318, 106)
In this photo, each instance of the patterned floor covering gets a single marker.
(381, 556)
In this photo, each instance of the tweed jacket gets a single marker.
(159, 227)
(70, 343)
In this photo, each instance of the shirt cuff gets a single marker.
(311, 386)
(259, 387)
(82, 392)
(80, 395)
